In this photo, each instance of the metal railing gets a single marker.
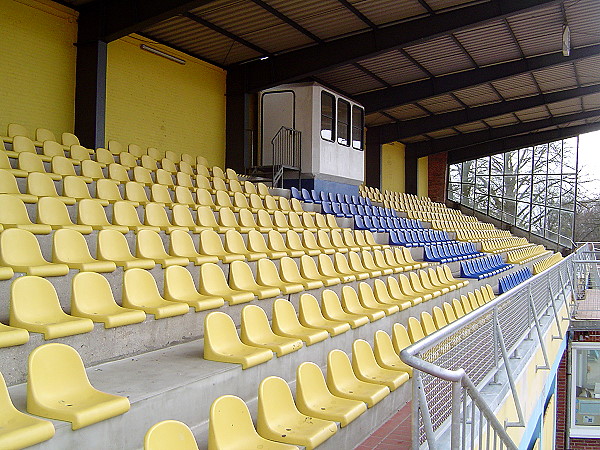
(287, 153)
(454, 364)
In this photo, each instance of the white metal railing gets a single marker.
(453, 365)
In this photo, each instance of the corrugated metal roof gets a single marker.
(583, 19)
(539, 112)
(517, 86)
(503, 120)
(441, 5)
(538, 31)
(591, 101)
(489, 44)
(556, 78)
(374, 119)
(471, 127)
(419, 138)
(441, 103)
(565, 107)
(442, 133)
(394, 68)
(382, 11)
(440, 56)
(482, 94)
(406, 112)
(587, 70)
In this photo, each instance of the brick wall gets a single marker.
(437, 176)
(561, 404)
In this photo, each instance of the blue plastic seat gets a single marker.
(296, 193)
(331, 197)
(353, 209)
(306, 196)
(359, 223)
(348, 199)
(356, 200)
(361, 210)
(326, 208)
(345, 208)
(337, 210)
(340, 198)
(316, 196)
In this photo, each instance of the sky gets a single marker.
(589, 160)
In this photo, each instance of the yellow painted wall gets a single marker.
(154, 102)
(37, 66)
(392, 167)
(422, 177)
(549, 425)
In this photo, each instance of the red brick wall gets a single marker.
(436, 173)
(561, 403)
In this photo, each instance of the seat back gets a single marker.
(339, 370)
(51, 211)
(168, 165)
(118, 173)
(266, 273)
(51, 148)
(91, 169)
(22, 143)
(246, 218)
(427, 323)
(164, 177)
(181, 244)
(30, 162)
(124, 213)
(439, 318)
(91, 212)
(20, 248)
(178, 283)
(210, 243)
(34, 300)
(69, 246)
(69, 139)
(256, 242)
(90, 291)
(41, 184)
(115, 147)
(415, 330)
(234, 242)
(449, 312)
(155, 153)
(150, 245)
(8, 183)
(164, 435)
(75, 187)
(400, 337)
(136, 150)
(160, 194)
(139, 287)
(182, 216)
(227, 218)
(109, 190)
(112, 246)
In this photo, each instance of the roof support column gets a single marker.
(238, 131)
(410, 170)
(90, 93)
(373, 158)
(437, 167)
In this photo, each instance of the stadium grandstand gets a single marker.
(279, 224)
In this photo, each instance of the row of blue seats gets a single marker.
(483, 267)
(384, 224)
(508, 282)
(321, 196)
(451, 251)
(417, 238)
(346, 210)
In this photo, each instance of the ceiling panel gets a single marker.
(441, 5)
(501, 121)
(471, 127)
(383, 11)
(583, 18)
(490, 44)
(441, 103)
(556, 78)
(350, 79)
(538, 31)
(406, 112)
(441, 55)
(587, 70)
(540, 112)
(565, 107)
(591, 101)
(482, 94)
(412, 139)
(374, 119)
(442, 133)
(518, 86)
(394, 68)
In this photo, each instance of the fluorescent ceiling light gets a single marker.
(163, 54)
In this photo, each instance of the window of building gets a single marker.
(585, 390)
(358, 124)
(327, 116)
(343, 122)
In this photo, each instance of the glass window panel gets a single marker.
(454, 192)
(568, 192)
(455, 170)
(496, 186)
(483, 166)
(358, 125)
(569, 155)
(482, 184)
(510, 187)
(537, 219)
(553, 190)
(524, 188)
(467, 191)
(497, 164)
(495, 209)
(523, 216)
(327, 116)
(511, 162)
(343, 122)
(586, 378)
(552, 224)
(525, 160)
(481, 202)
(510, 211)
(555, 157)
(540, 159)
(538, 192)
(566, 224)
(468, 171)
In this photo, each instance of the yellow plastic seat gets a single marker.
(281, 222)
(351, 304)
(360, 240)
(264, 219)
(291, 274)
(331, 308)
(140, 292)
(296, 224)
(5, 165)
(69, 139)
(170, 435)
(439, 318)
(428, 284)
(228, 221)
(179, 287)
(366, 368)
(164, 177)
(118, 173)
(92, 298)
(222, 343)
(458, 308)
(241, 202)
(310, 315)
(32, 163)
(314, 398)
(125, 214)
(79, 153)
(256, 331)
(155, 153)
(70, 247)
(370, 264)
(267, 275)
(242, 279)
(392, 291)
(341, 265)
(286, 323)
(222, 200)
(263, 190)
(257, 204)
(171, 157)
(108, 191)
(392, 260)
(43, 134)
(449, 312)
(67, 394)
(466, 304)
(159, 193)
(277, 246)
(19, 430)
(230, 428)
(400, 338)
(42, 185)
(23, 144)
(279, 418)
(51, 211)
(143, 175)
(356, 264)
(294, 242)
(427, 323)
(20, 250)
(206, 219)
(183, 196)
(155, 215)
(112, 246)
(64, 167)
(76, 187)
(128, 160)
(417, 287)
(182, 217)
(327, 268)
(342, 381)
(415, 329)
(250, 188)
(202, 182)
(338, 241)
(91, 212)
(348, 238)
(451, 278)
(234, 243)
(386, 356)
(246, 219)
(34, 306)
(325, 243)
(13, 214)
(114, 148)
(310, 242)
(212, 282)
(382, 263)
(181, 244)
(368, 300)
(8, 185)
(9, 337)
(136, 150)
(92, 169)
(149, 245)
(186, 167)
(309, 271)
(210, 244)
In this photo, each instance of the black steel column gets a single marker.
(410, 170)
(373, 158)
(90, 94)
(238, 136)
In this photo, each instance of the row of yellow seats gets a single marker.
(413, 206)
(57, 388)
(547, 263)
(314, 322)
(115, 147)
(479, 235)
(429, 216)
(454, 225)
(523, 255)
(503, 244)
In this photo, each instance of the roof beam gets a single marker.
(407, 128)
(383, 99)
(517, 142)
(492, 134)
(301, 63)
(109, 20)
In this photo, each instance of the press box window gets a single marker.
(327, 116)
(358, 123)
(585, 393)
(343, 123)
